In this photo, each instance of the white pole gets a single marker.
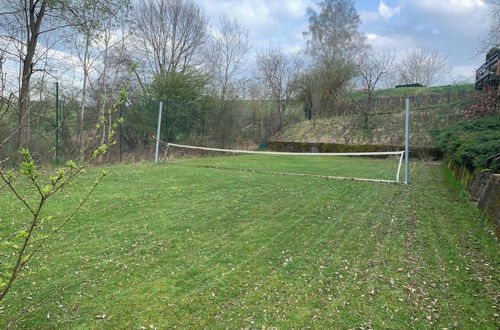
(158, 132)
(407, 141)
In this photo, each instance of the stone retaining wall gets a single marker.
(416, 152)
(484, 188)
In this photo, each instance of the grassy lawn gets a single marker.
(369, 167)
(182, 246)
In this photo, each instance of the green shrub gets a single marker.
(471, 143)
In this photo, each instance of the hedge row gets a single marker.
(472, 144)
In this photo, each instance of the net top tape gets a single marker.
(381, 153)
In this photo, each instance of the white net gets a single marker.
(363, 166)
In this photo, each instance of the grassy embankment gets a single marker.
(182, 246)
(385, 127)
(413, 91)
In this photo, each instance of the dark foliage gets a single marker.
(187, 108)
(474, 144)
(492, 52)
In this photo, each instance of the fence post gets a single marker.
(121, 129)
(407, 141)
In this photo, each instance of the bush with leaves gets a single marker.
(188, 107)
(473, 144)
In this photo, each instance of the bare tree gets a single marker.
(492, 38)
(91, 19)
(224, 57)
(279, 72)
(333, 30)
(6, 99)
(322, 87)
(25, 22)
(225, 53)
(372, 68)
(256, 94)
(423, 66)
(169, 33)
(333, 42)
(113, 71)
(22, 22)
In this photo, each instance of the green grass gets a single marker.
(181, 246)
(369, 167)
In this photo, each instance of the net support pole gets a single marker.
(158, 132)
(407, 141)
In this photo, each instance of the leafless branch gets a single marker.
(169, 33)
(423, 66)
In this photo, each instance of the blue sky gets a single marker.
(450, 26)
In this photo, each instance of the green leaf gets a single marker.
(53, 179)
(46, 189)
(71, 164)
(8, 244)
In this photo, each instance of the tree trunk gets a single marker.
(280, 114)
(368, 109)
(33, 31)
(365, 119)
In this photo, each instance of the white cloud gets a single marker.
(297, 8)
(245, 12)
(252, 13)
(384, 11)
(397, 43)
(277, 23)
(465, 18)
(449, 6)
(387, 12)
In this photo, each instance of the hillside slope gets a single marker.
(415, 91)
(385, 127)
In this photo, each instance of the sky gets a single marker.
(450, 26)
